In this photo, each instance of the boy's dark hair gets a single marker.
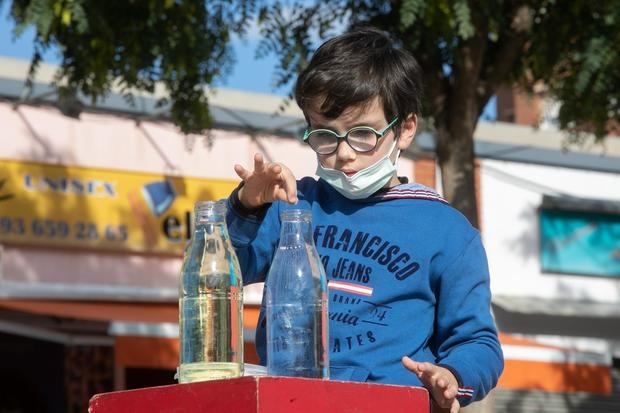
(353, 68)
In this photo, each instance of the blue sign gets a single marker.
(579, 242)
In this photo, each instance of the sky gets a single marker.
(248, 73)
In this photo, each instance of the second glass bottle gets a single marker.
(296, 303)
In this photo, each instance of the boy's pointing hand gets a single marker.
(438, 380)
(268, 182)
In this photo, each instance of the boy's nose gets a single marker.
(344, 152)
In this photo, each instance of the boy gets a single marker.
(423, 314)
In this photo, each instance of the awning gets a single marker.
(530, 365)
(557, 307)
(535, 316)
(144, 334)
(97, 310)
(569, 203)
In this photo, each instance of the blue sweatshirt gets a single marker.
(407, 275)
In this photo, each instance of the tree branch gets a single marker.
(467, 69)
(435, 83)
(512, 41)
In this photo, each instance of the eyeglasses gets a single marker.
(360, 138)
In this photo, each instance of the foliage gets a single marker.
(132, 45)
(570, 46)
(575, 53)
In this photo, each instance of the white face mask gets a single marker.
(365, 182)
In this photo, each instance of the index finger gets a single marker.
(241, 171)
(289, 184)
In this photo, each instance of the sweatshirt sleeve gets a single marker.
(254, 235)
(466, 337)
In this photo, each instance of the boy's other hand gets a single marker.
(438, 380)
(266, 183)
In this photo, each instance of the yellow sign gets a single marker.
(99, 208)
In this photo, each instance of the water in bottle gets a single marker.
(210, 301)
(296, 301)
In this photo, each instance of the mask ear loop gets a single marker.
(397, 152)
(396, 139)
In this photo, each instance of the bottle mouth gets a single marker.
(209, 208)
(296, 215)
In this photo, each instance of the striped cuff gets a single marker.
(462, 392)
(465, 392)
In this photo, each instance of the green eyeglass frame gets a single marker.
(331, 148)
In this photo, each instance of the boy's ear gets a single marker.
(407, 131)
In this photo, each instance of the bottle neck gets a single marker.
(210, 218)
(211, 227)
(295, 232)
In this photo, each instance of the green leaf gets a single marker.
(462, 15)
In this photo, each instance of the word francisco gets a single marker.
(366, 246)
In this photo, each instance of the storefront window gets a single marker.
(579, 241)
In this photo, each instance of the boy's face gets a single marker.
(346, 159)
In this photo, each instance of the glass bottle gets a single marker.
(296, 303)
(210, 301)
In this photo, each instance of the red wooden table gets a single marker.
(266, 394)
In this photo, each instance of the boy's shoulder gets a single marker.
(427, 205)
